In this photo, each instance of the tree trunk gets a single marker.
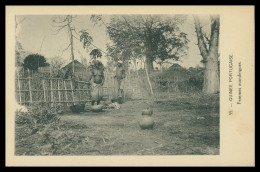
(71, 43)
(149, 64)
(211, 77)
(148, 78)
(148, 54)
(210, 55)
(136, 69)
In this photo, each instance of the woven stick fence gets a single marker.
(130, 84)
(52, 90)
(66, 92)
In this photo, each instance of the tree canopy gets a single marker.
(34, 61)
(154, 36)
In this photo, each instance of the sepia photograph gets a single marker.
(113, 84)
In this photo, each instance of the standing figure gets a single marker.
(97, 80)
(119, 77)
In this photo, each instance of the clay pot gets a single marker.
(146, 122)
(148, 111)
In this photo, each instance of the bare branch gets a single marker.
(17, 23)
(58, 30)
(99, 19)
(42, 44)
(103, 23)
(21, 21)
(201, 43)
(60, 21)
(65, 49)
(131, 27)
(55, 24)
(76, 37)
(206, 37)
(62, 25)
(76, 32)
(214, 37)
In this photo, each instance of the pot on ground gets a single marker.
(148, 111)
(146, 122)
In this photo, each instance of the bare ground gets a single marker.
(184, 125)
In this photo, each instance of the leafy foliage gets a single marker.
(19, 51)
(157, 37)
(34, 61)
(56, 66)
(38, 131)
(96, 19)
(85, 38)
(178, 79)
(95, 53)
(38, 114)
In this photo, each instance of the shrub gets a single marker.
(37, 131)
(40, 132)
(34, 61)
(38, 114)
(178, 79)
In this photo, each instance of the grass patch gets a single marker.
(184, 125)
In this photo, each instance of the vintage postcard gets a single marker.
(130, 86)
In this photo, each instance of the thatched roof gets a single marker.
(176, 73)
(175, 67)
(77, 66)
(80, 71)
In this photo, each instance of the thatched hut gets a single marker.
(80, 71)
(176, 73)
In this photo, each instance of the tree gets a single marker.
(62, 23)
(56, 65)
(209, 51)
(19, 51)
(95, 53)
(153, 36)
(34, 61)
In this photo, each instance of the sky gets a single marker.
(37, 34)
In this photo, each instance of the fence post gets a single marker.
(79, 97)
(59, 90)
(72, 91)
(66, 94)
(44, 94)
(30, 89)
(51, 94)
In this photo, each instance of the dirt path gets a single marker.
(179, 129)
